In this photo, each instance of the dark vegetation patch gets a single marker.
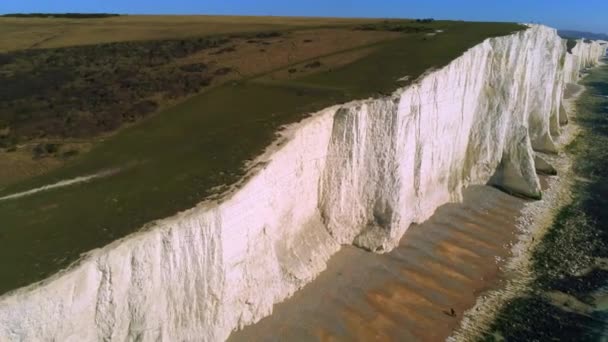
(196, 67)
(570, 44)
(45, 149)
(5, 59)
(82, 91)
(312, 65)
(223, 71)
(271, 34)
(395, 26)
(224, 50)
(139, 110)
(535, 319)
(61, 15)
(69, 154)
(259, 37)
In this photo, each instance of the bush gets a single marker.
(273, 34)
(51, 148)
(197, 67)
(142, 108)
(223, 71)
(224, 50)
(44, 149)
(394, 27)
(8, 141)
(6, 58)
(314, 64)
(69, 154)
(39, 151)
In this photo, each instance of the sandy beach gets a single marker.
(407, 294)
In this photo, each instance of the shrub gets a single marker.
(44, 149)
(197, 67)
(69, 153)
(223, 71)
(224, 50)
(272, 34)
(314, 64)
(142, 108)
(51, 148)
(6, 59)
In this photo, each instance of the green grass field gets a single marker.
(171, 161)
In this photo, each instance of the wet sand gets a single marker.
(407, 294)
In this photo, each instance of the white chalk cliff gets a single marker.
(358, 173)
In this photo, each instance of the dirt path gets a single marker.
(63, 183)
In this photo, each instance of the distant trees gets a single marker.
(425, 20)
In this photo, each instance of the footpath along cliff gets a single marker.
(358, 173)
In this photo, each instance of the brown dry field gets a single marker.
(24, 33)
(256, 57)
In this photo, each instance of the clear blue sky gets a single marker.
(589, 15)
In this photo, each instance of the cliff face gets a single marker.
(358, 173)
(583, 56)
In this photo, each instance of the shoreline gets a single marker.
(534, 221)
(560, 292)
